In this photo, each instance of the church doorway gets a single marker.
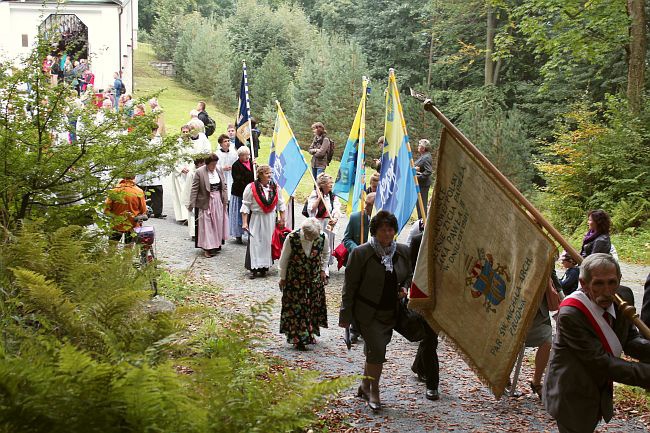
(67, 34)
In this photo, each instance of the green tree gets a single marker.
(59, 154)
(270, 83)
(501, 136)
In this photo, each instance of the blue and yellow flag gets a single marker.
(286, 159)
(398, 190)
(243, 113)
(351, 180)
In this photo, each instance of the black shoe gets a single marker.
(432, 394)
(253, 275)
(374, 406)
(238, 240)
(263, 273)
(160, 215)
(301, 347)
(182, 222)
(537, 389)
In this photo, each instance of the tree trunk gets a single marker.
(489, 45)
(637, 51)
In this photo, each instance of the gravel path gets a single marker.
(465, 404)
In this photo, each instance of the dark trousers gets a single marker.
(426, 361)
(415, 328)
(155, 193)
(424, 193)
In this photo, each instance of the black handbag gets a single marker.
(410, 324)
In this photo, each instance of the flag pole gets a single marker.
(362, 138)
(248, 112)
(391, 75)
(628, 310)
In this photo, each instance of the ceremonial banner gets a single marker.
(398, 189)
(351, 180)
(483, 265)
(242, 123)
(286, 159)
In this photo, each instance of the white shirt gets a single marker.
(213, 177)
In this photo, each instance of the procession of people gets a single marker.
(224, 195)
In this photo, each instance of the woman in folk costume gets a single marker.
(199, 161)
(260, 202)
(242, 175)
(305, 256)
(209, 198)
(328, 210)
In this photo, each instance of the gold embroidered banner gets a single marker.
(483, 265)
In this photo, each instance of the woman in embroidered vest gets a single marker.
(210, 196)
(302, 265)
(260, 201)
(242, 175)
(597, 238)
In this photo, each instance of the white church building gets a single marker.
(103, 31)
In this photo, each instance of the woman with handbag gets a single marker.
(375, 277)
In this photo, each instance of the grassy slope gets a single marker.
(177, 102)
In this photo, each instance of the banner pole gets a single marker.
(248, 112)
(537, 216)
(628, 310)
(391, 74)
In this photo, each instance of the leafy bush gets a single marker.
(83, 351)
(600, 159)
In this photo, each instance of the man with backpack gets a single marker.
(210, 124)
(321, 149)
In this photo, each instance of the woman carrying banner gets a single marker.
(302, 265)
(375, 280)
(327, 210)
(260, 201)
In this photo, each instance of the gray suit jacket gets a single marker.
(200, 195)
(364, 282)
(425, 162)
(577, 390)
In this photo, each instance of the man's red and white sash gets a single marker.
(594, 314)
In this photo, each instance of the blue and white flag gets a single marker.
(351, 180)
(286, 159)
(398, 189)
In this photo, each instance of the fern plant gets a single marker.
(81, 352)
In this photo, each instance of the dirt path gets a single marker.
(465, 404)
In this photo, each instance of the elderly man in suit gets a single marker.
(591, 334)
(424, 169)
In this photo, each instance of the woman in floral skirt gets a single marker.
(304, 258)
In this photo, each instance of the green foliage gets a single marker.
(199, 60)
(600, 159)
(83, 350)
(501, 136)
(60, 154)
(270, 83)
